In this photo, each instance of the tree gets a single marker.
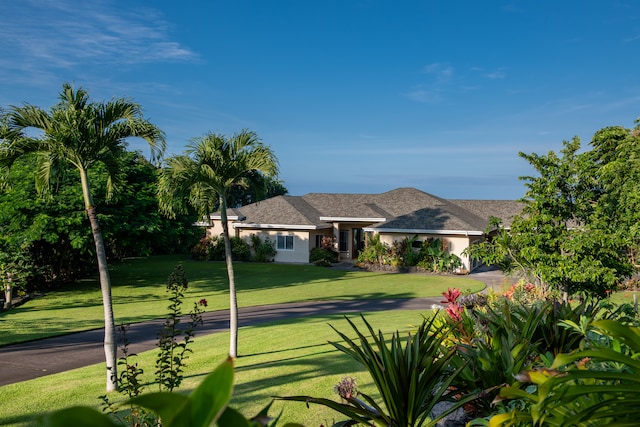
(212, 166)
(260, 188)
(562, 237)
(616, 159)
(82, 133)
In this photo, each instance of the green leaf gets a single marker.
(232, 418)
(201, 408)
(630, 335)
(212, 395)
(167, 406)
(78, 416)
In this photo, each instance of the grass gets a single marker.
(277, 359)
(139, 292)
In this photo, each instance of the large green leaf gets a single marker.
(205, 404)
(78, 416)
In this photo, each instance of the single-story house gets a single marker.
(297, 224)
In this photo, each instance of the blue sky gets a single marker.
(353, 96)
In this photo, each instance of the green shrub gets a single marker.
(200, 251)
(263, 251)
(435, 257)
(323, 256)
(240, 249)
(215, 249)
(375, 251)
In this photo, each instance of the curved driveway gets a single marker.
(25, 361)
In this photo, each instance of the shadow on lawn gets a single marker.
(25, 419)
(330, 363)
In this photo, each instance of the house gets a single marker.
(297, 224)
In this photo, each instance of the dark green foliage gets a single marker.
(16, 270)
(499, 340)
(323, 257)
(212, 249)
(263, 251)
(578, 230)
(55, 230)
(133, 225)
(260, 188)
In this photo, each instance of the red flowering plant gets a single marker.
(453, 309)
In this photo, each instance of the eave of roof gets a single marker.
(280, 226)
(424, 231)
(350, 219)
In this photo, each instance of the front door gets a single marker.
(358, 242)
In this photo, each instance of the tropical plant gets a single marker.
(434, 256)
(375, 251)
(410, 377)
(597, 385)
(203, 177)
(82, 133)
(494, 343)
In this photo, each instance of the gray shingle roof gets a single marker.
(402, 208)
(506, 210)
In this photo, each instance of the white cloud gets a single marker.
(424, 96)
(65, 34)
(497, 74)
(442, 72)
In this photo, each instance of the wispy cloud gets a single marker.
(37, 35)
(497, 74)
(421, 94)
(441, 75)
(443, 72)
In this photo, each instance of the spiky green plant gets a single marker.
(411, 377)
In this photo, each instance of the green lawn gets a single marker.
(275, 359)
(139, 292)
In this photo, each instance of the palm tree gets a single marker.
(203, 177)
(82, 133)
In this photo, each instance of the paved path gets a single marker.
(25, 361)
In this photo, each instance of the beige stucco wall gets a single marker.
(304, 240)
(300, 252)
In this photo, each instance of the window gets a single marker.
(344, 240)
(284, 243)
(319, 238)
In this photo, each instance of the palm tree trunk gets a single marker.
(110, 349)
(233, 302)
